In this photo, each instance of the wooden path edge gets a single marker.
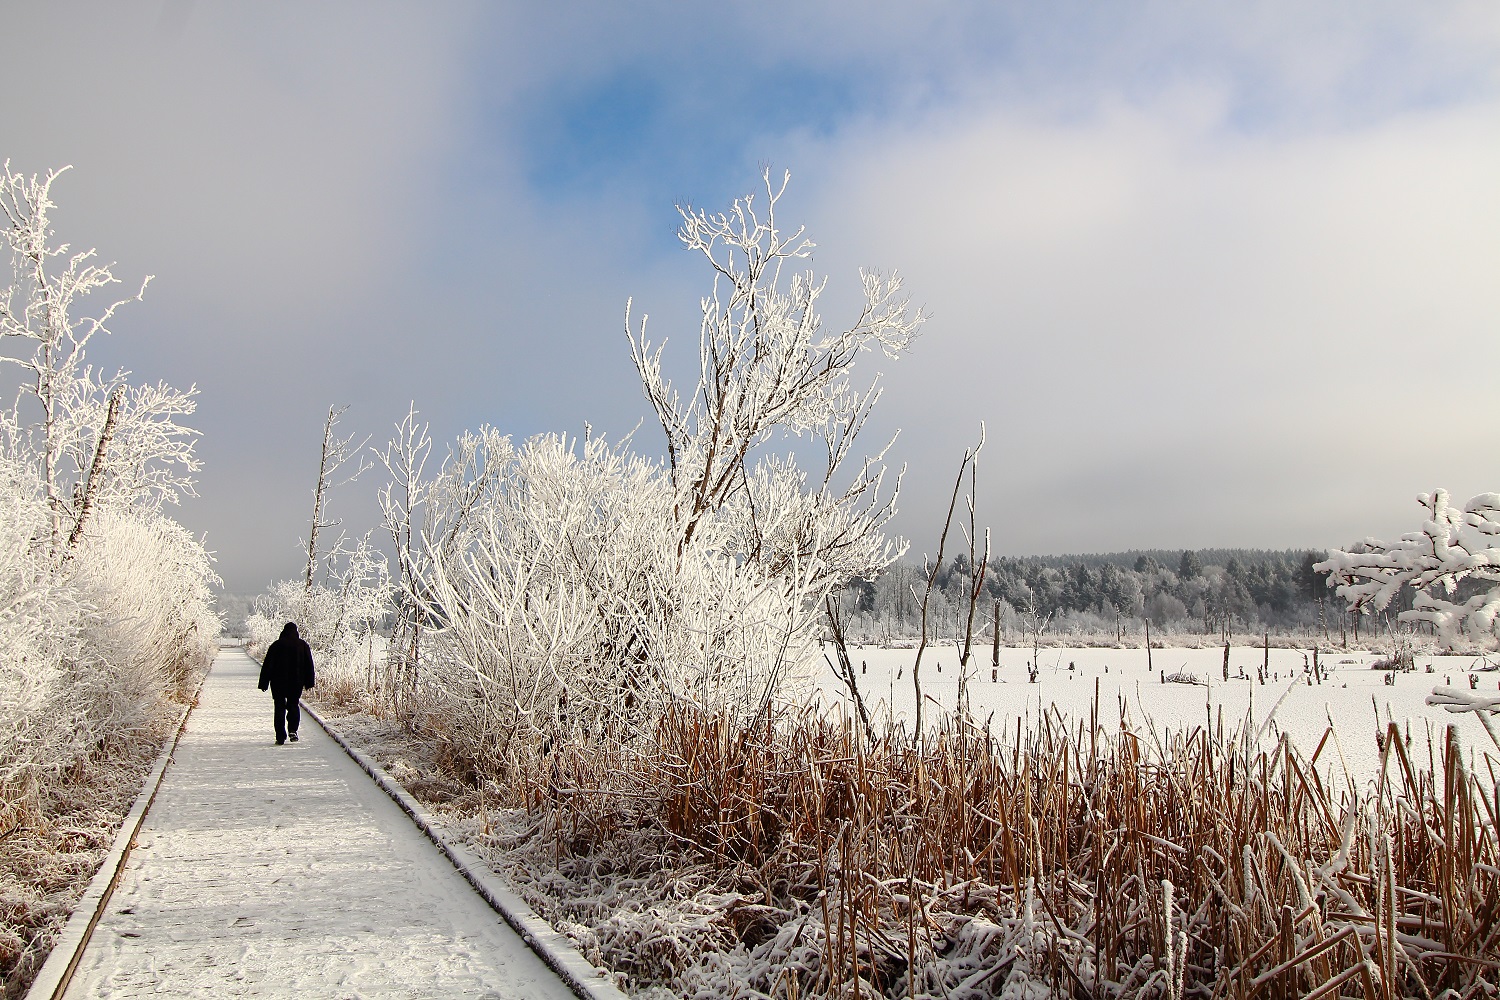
(62, 961)
(556, 951)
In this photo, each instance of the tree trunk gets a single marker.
(995, 655)
(312, 534)
(95, 478)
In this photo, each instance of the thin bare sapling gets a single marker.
(336, 453)
(970, 456)
(975, 589)
(844, 666)
(1035, 623)
(337, 610)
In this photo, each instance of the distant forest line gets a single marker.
(1204, 591)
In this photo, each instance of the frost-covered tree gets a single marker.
(564, 584)
(336, 611)
(105, 603)
(767, 365)
(333, 470)
(95, 441)
(1456, 547)
(428, 518)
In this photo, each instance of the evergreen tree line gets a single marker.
(1207, 591)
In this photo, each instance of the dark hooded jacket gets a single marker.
(288, 665)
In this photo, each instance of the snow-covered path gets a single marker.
(285, 871)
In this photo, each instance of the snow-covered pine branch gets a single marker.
(1454, 545)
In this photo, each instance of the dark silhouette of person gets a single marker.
(286, 670)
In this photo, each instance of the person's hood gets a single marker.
(290, 631)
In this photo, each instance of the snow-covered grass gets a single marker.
(45, 866)
(1357, 701)
(807, 858)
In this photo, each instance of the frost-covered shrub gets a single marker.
(148, 579)
(337, 618)
(88, 649)
(562, 599)
(564, 586)
(39, 643)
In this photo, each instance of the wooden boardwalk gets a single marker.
(266, 870)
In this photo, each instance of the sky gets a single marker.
(1210, 275)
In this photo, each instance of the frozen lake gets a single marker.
(1349, 697)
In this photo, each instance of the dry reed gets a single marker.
(1058, 859)
(49, 855)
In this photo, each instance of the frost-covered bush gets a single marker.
(563, 601)
(104, 602)
(88, 650)
(568, 586)
(39, 642)
(337, 618)
(148, 580)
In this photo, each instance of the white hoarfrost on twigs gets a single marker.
(105, 604)
(337, 616)
(1452, 565)
(573, 586)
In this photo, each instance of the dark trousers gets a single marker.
(288, 714)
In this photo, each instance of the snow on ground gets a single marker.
(284, 870)
(1068, 678)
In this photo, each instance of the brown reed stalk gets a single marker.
(975, 856)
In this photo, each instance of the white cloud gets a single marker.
(1146, 304)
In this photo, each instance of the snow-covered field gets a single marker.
(1349, 697)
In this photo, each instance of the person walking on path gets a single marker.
(286, 670)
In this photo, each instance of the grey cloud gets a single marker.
(1173, 328)
(1146, 235)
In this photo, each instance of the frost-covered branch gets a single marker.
(1455, 546)
(767, 364)
(36, 309)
